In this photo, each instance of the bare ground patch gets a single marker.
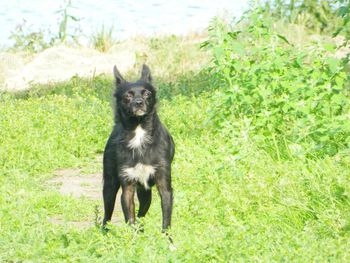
(72, 182)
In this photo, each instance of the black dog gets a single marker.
(138, 153)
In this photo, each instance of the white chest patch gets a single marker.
(139, 173)
(140, 138)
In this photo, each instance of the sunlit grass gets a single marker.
(232, 200)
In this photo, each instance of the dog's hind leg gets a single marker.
(128, 203)
(145, 198)
(110, 189)
(111, 182)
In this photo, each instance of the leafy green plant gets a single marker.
(343, 28)
(298, 95)
(28, 40)
(317, 15)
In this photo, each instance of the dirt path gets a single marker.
(72, 182)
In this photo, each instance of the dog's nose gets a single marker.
(138, 102)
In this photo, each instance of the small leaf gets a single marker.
(338, 98)
(238, 47)
(234, 35)
(329, 47)
(343, 11)
(205, 44)
(218, 52)
(284, 39)
(333, 64)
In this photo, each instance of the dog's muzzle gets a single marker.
(138, 102)
(139, 108)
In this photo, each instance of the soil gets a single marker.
(72, 182)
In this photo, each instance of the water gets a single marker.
(128, 18)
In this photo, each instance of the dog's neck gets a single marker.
(130, 123)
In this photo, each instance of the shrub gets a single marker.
(287, 94)
(317, 15)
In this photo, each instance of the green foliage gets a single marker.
(27, 40)
(103, 39)
(317, 15)
(285, 93)
(344, 13)
(45, 119)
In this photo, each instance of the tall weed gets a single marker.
(103, 39)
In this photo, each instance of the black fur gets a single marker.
(135, 111)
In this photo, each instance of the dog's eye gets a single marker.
(147, 93)
(128, 96)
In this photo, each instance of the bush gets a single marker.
(317, 15)
(287, 94)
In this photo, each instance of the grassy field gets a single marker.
(241, 194)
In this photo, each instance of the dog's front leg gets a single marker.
(128, 204)
(166, 194)
(110, 189)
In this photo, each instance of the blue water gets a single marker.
(128, 18)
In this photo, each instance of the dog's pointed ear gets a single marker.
(118, 77)
(146, 74)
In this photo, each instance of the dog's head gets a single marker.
(135, 99)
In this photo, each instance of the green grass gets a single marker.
(232, 200)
